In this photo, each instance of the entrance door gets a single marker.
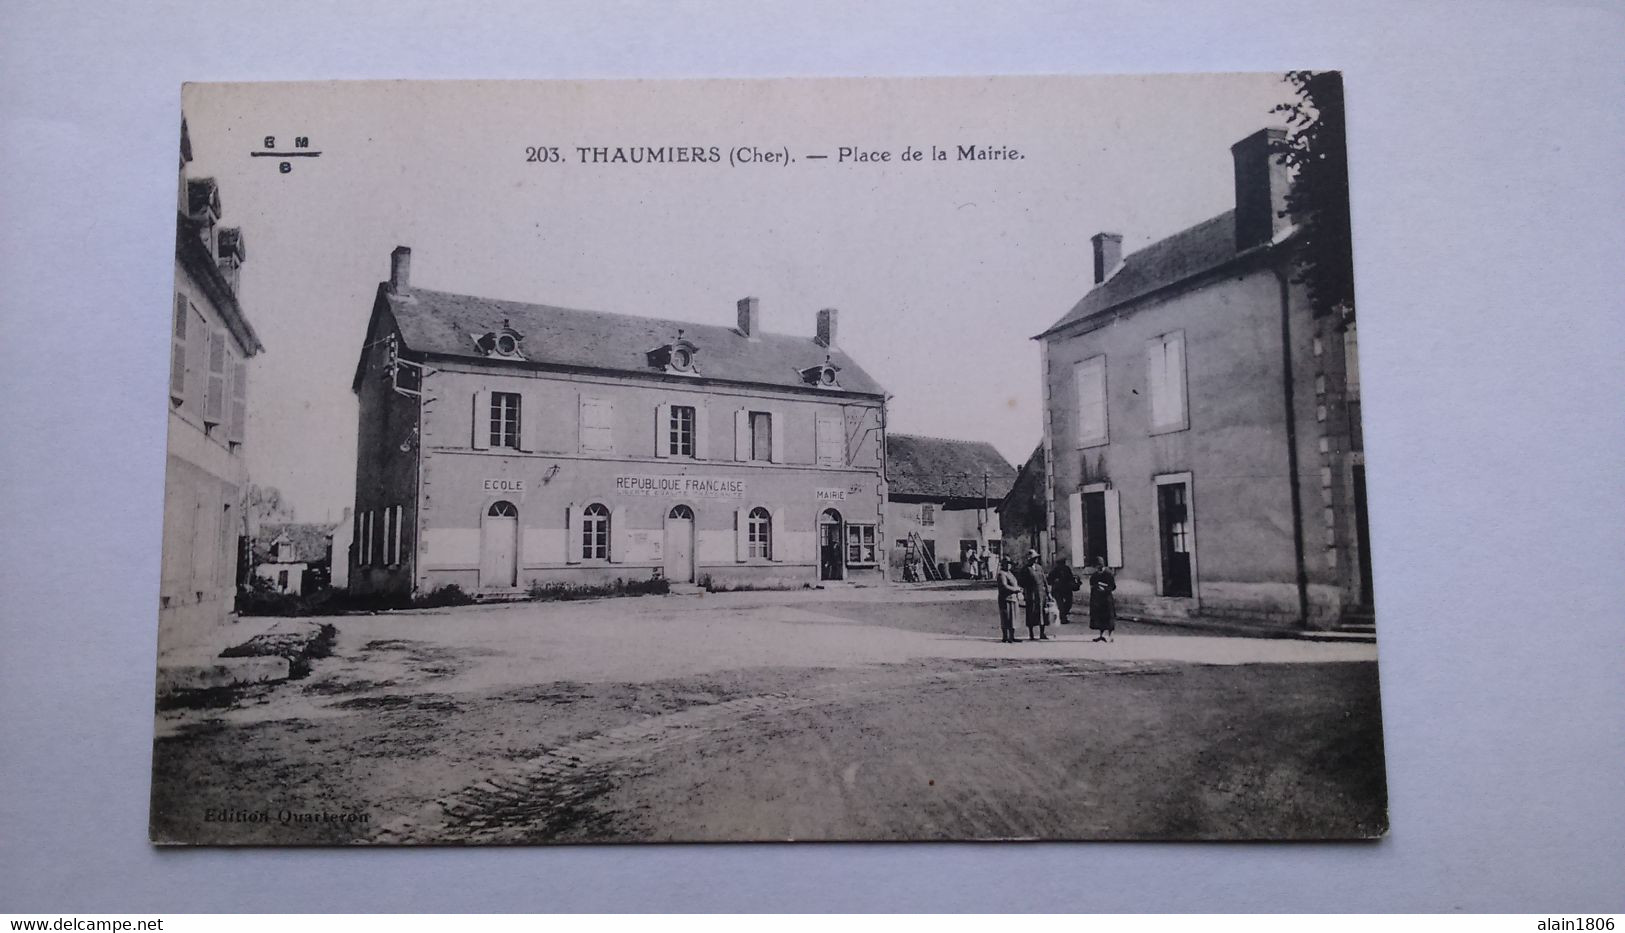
(679, 548)
(1362, 531)
(1173, 513)
(499, 547)
(831, 553)
(1094, 525)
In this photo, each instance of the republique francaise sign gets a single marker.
(696, 487)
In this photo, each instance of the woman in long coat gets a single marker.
(1102, 604)
(1034, 594)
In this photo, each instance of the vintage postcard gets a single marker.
(858, 459)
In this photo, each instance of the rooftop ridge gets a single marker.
(415, 289)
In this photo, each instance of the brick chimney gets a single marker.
(1108, 253)
(1261, 183)
(750, 317)
(400, 269)
(826, 326)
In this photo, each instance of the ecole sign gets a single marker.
(502, 485)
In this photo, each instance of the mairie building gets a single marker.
(503, 445)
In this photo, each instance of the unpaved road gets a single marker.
(863, 715)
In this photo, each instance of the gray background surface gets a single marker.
(1487, 145)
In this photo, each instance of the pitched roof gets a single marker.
(309, 539)
(1024, 504)
(1192, 251)
(194, 255)
(945, 469)
(447, 324)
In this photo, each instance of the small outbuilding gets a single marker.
(294, 557)
(941, 502)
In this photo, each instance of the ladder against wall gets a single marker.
(928, 559)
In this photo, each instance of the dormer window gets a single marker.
(825, 375)
(504, 343)
(675, 357)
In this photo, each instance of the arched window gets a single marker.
(503, 509)
(595, 532)
(761, 533)
(681, 512)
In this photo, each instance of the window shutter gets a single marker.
(742, 437)
(396, 555)
(239, 401)
(741, 534)
(197, 346)
(830, 440)
(1074, 511)
(597, 420)
(572, 534)
(177, 356)
(481, 437)
(1156, 377)
(389, 536)
(214, 407)
(776, 425)
(663, 430)
(1176, 378)
(529, 412)
(1090, 378)
(775, 535)
(702, 431)
(1114, 531)
(619, 535)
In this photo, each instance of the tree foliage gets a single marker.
(1316, 150)
(264, 504)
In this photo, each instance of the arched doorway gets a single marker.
(831, 553)
(499, 546)
(679, 545)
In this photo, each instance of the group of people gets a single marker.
(980, 563)
(1045, 599)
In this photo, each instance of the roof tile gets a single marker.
(446, 323)
(945, 469)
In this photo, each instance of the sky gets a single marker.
(942, 270)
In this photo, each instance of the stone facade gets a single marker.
(211, 341)
(497, 473)
(1202, 424)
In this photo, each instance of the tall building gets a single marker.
(211, 342)
(1202, 422)
(503, 444)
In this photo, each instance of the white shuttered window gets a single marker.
(214, 406)
(597, 425)
(831, 440)
(1165, 381)
(177, 355)
(1089, 378)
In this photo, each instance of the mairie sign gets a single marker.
(695, 487)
